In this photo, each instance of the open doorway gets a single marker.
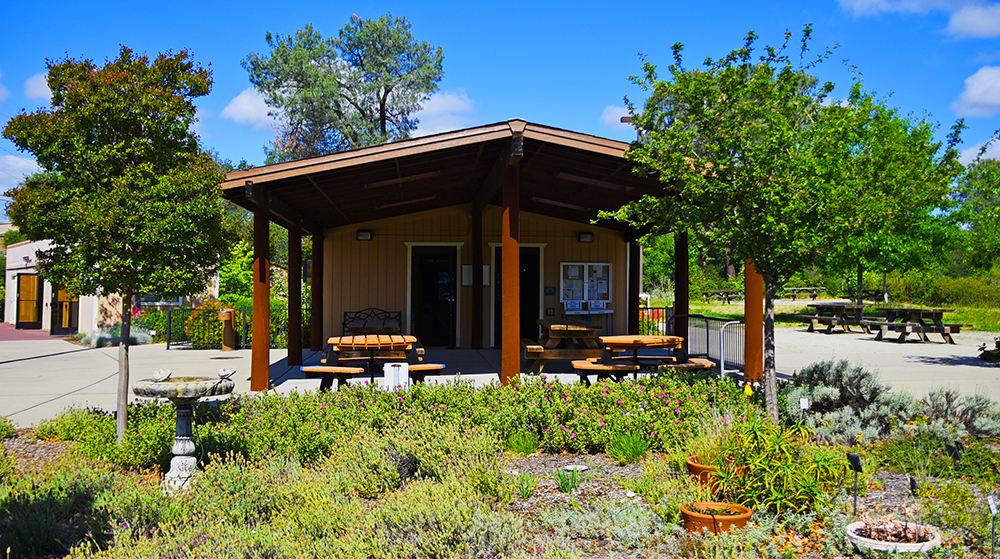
(65, 313)
(434, 294)
(531, 281)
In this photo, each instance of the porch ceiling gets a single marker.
(562, 174)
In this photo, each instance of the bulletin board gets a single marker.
(584, 281)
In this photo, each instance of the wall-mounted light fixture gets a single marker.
(586, 237)
(364, 235)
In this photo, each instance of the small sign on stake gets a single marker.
(855, 462)
(955, 452)
(992, 502)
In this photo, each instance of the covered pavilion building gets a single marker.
(472, 235)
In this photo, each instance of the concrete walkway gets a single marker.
(44, 376)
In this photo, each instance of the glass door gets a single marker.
(29, 302)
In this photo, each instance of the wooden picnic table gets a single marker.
(614, 344)
(727, 295)
(561, 339)
(914, 320)
(813, 292)
(370, 349)
(835, 314)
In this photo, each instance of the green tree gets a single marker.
(753, 155)
(978, 196)
(128, 198)
(355, 90)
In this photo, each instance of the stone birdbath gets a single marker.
(183, 392)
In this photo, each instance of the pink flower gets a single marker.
(677, 421)
(572, 435)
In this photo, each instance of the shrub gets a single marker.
(7, 429)
(567, 481)
(110, 336)
(848, 403)
(523, 444)
(203, 328)
(626, 523)
(951, 416)
(665, 489)
(627, 448)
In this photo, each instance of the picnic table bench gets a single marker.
(835, 314)
(917, 321)
(350, 355)
(561, 339)
(727, 295)
(372, 321)
(813, 292)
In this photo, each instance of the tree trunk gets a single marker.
(770, 371)
(126, 333)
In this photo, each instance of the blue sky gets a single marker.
(562, 64)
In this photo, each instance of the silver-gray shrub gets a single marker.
(847, 402)
(951, 416)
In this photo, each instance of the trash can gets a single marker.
(228, 318)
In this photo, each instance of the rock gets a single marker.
(576, 467)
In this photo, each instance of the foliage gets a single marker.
(355, 90)
(109, 336)
(665, 489)
(627, 448)
(127, 197)
(236, 273)
(848, 404)
(7, 429)
(524, 444)
(567, 481)
(953, 504)
(627, 523)
(751, 154)
(526, 484)
(203, 328)
(979, 211)
(951, 416)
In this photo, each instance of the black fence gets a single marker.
(718, 339)
(189, 328)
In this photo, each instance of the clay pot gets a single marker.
(862, 542)
(696, 521)
(704, 472)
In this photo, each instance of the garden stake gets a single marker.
(955, 452)
(855, 461)
(993, 529)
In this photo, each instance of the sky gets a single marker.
(561, 64)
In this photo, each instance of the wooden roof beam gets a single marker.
(511, 157)
(255, 193)
(328, 199)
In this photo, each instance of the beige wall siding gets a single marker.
(362, 274)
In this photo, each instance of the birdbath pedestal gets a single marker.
(183, 392)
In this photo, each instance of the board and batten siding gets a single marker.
(362, 274)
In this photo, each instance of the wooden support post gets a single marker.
(682, 285)
(316, 315)
(260, 348)
(510, 352)
(634, 283)
(753, 312)
(477, 278)
(294, 295)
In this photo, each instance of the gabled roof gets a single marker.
(562, 174)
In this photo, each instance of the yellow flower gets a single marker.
(747, 390)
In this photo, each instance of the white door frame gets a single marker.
(458, 284)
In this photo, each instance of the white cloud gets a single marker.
(976, 21)
(981, 97)
(37, 88)
(14, 168)
(249, 109)
(3, 92)
(968, 155)
(445, 111)
(612, 117)
(865, 7)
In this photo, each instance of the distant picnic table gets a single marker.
(812, 292)
(835, 314)
(913, 320)
(727, 295)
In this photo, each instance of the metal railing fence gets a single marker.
(718, 339)
(190, 328)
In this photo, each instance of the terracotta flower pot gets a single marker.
(704, 472)
(862, 542)
(696, 521)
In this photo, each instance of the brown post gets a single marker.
(316, 316)
(753, 312)
(634, 283)
(510, 351)
(260, 349)
(477, 279)
(294, 294)
(682, 285)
